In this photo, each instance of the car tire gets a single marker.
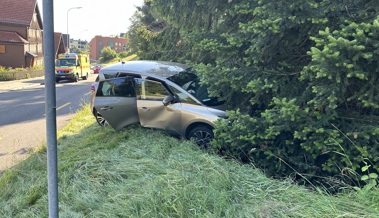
(100, 120)
(85, 77)
(202, 136)
(76, 78)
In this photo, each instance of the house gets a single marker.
(59, 45)
(99, 42)
(20, 34)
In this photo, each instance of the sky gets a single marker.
(96, 17)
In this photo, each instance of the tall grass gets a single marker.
(144, 173)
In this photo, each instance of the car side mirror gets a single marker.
(168, 100)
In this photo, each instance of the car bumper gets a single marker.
(65, 76)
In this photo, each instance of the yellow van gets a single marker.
(71, 67)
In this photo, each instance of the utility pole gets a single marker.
(50, 106)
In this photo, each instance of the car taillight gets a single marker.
(92, 88)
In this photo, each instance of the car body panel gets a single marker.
(154, 114)
(189, 114)
(118, 111)
(116, 101)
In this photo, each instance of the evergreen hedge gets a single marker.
(301, 77)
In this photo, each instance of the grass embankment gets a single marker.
(116, 60)
(143, 173)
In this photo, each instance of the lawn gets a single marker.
(145, 173)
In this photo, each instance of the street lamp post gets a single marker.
(68, 39)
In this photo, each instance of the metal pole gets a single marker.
(68, 40)
(50, 106)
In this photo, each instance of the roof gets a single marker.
(11, 37)
(31, 54)
(160, 68)
(57, 40)
(19, 12)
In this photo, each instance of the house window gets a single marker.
(111, 44)
(39, 48)
(31, 33)
(33, 48)
(2, 49)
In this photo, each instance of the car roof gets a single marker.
(158, 68)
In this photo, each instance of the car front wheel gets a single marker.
(202, 136)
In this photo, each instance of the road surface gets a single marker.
(22, 116)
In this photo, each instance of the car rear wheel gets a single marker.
(100, 120)
(202, 136)
(76, 78)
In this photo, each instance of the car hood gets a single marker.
(219, 113)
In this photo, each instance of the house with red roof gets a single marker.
(20, 34)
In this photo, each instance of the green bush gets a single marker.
(107, 54)
(123, 54)
(331, 127)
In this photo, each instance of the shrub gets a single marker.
(332, 125)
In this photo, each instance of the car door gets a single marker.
(116, 101)
(151, 110)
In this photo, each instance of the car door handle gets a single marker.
(106, 108)
(144, 108)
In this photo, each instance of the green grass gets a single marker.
(116, 60)
(144, 173)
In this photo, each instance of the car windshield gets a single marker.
(190, 82)
(65, 62)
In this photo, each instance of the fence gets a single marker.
(16, 75)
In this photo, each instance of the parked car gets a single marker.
(97, 68)
(156, 94)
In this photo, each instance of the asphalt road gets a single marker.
(22, 116)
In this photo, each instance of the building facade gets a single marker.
(78, 46)
(99, 42)
(20, 34)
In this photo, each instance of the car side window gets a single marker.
(150, 90)
(184, 97)
(121, 87)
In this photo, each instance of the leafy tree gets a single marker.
(107, 54)
(123, 54)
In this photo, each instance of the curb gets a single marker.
(21, 84)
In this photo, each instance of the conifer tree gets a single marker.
(300, 77)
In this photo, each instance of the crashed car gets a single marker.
(156, 94)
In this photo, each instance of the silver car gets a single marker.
(156, 94)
